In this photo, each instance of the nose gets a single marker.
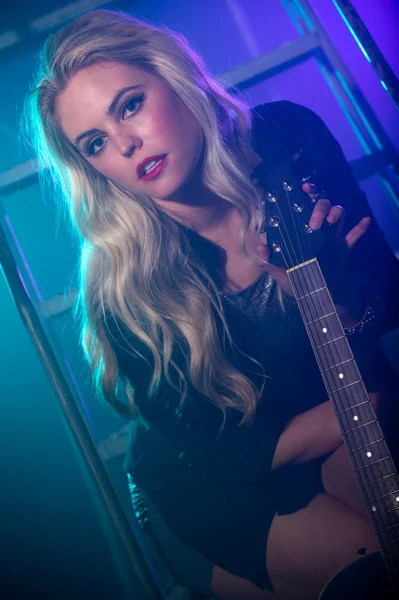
(127, 143)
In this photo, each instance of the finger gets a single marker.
(313, 193)
(309, 188)
(320, 213)
(263, 252)
(279, 274)
(357, 232)
(336, 214)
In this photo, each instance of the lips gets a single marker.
(140, 168)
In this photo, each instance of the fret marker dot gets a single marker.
(369, 454)
(341, 375)
(355, 418)
(397, 498)
(324, 330)
(374, 508)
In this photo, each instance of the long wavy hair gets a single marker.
(137, 265)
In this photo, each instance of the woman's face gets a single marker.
(124, 121)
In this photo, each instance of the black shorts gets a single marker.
(228, 525)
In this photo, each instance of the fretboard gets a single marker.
(371, 459)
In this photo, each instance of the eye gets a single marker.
(131, 106)
(95, 146)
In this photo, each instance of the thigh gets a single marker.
(339, 481)
(306, 548)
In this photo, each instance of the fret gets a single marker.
(365, 435)
(370, 455)
(377, 480)
(316, 305)
(312, 292)
(334, 312)
(373, 463)
(357, 395)
(373, 459)
(312, 272)
(324, 330)
(338, 364)
(360, 413)
(383, 509)
(359, 426)
(386, 495)
(387, 512)
(340, 412)
(330, 353)
(374, 473)
(346, 386)
(388, 528)
(370, 444)
(389, 543)
(330, 342)
(336, 376)
(381, 493)
(393, 558)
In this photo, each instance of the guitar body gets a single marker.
(366, 578)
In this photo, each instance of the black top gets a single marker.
(217, 492)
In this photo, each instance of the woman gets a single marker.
(155, 160)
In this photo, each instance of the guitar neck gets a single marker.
(365, 443)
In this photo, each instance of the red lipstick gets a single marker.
(151, 167)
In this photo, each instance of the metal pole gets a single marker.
(135, 575)
(377, 59)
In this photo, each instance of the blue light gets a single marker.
(366, 148)
(305, 17)
(358, 110)
(352, 32)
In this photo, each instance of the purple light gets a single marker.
(23, 283)
(23, 259)
(80, 395)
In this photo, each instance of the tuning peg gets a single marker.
(288, 186)
(319, 196)
(297, 207)
(272, 196)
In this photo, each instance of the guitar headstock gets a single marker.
(287, 214)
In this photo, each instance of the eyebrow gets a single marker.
(110, 111)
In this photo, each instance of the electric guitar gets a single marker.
(295, 246)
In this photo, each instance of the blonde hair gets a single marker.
(128, 244)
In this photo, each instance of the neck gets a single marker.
(198, 209)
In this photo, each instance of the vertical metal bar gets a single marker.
(373, 53)
(136, 579)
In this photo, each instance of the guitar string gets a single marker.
(391, 534)
(314, 287)
(302, 275)
(294, 223)
(361, 432)
(380, 451)
(282, 221)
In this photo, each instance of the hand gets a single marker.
(334, 215)
(332, 258)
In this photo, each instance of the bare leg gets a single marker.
(340, 481)
(306, 548)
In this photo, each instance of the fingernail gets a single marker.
(316, 224)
